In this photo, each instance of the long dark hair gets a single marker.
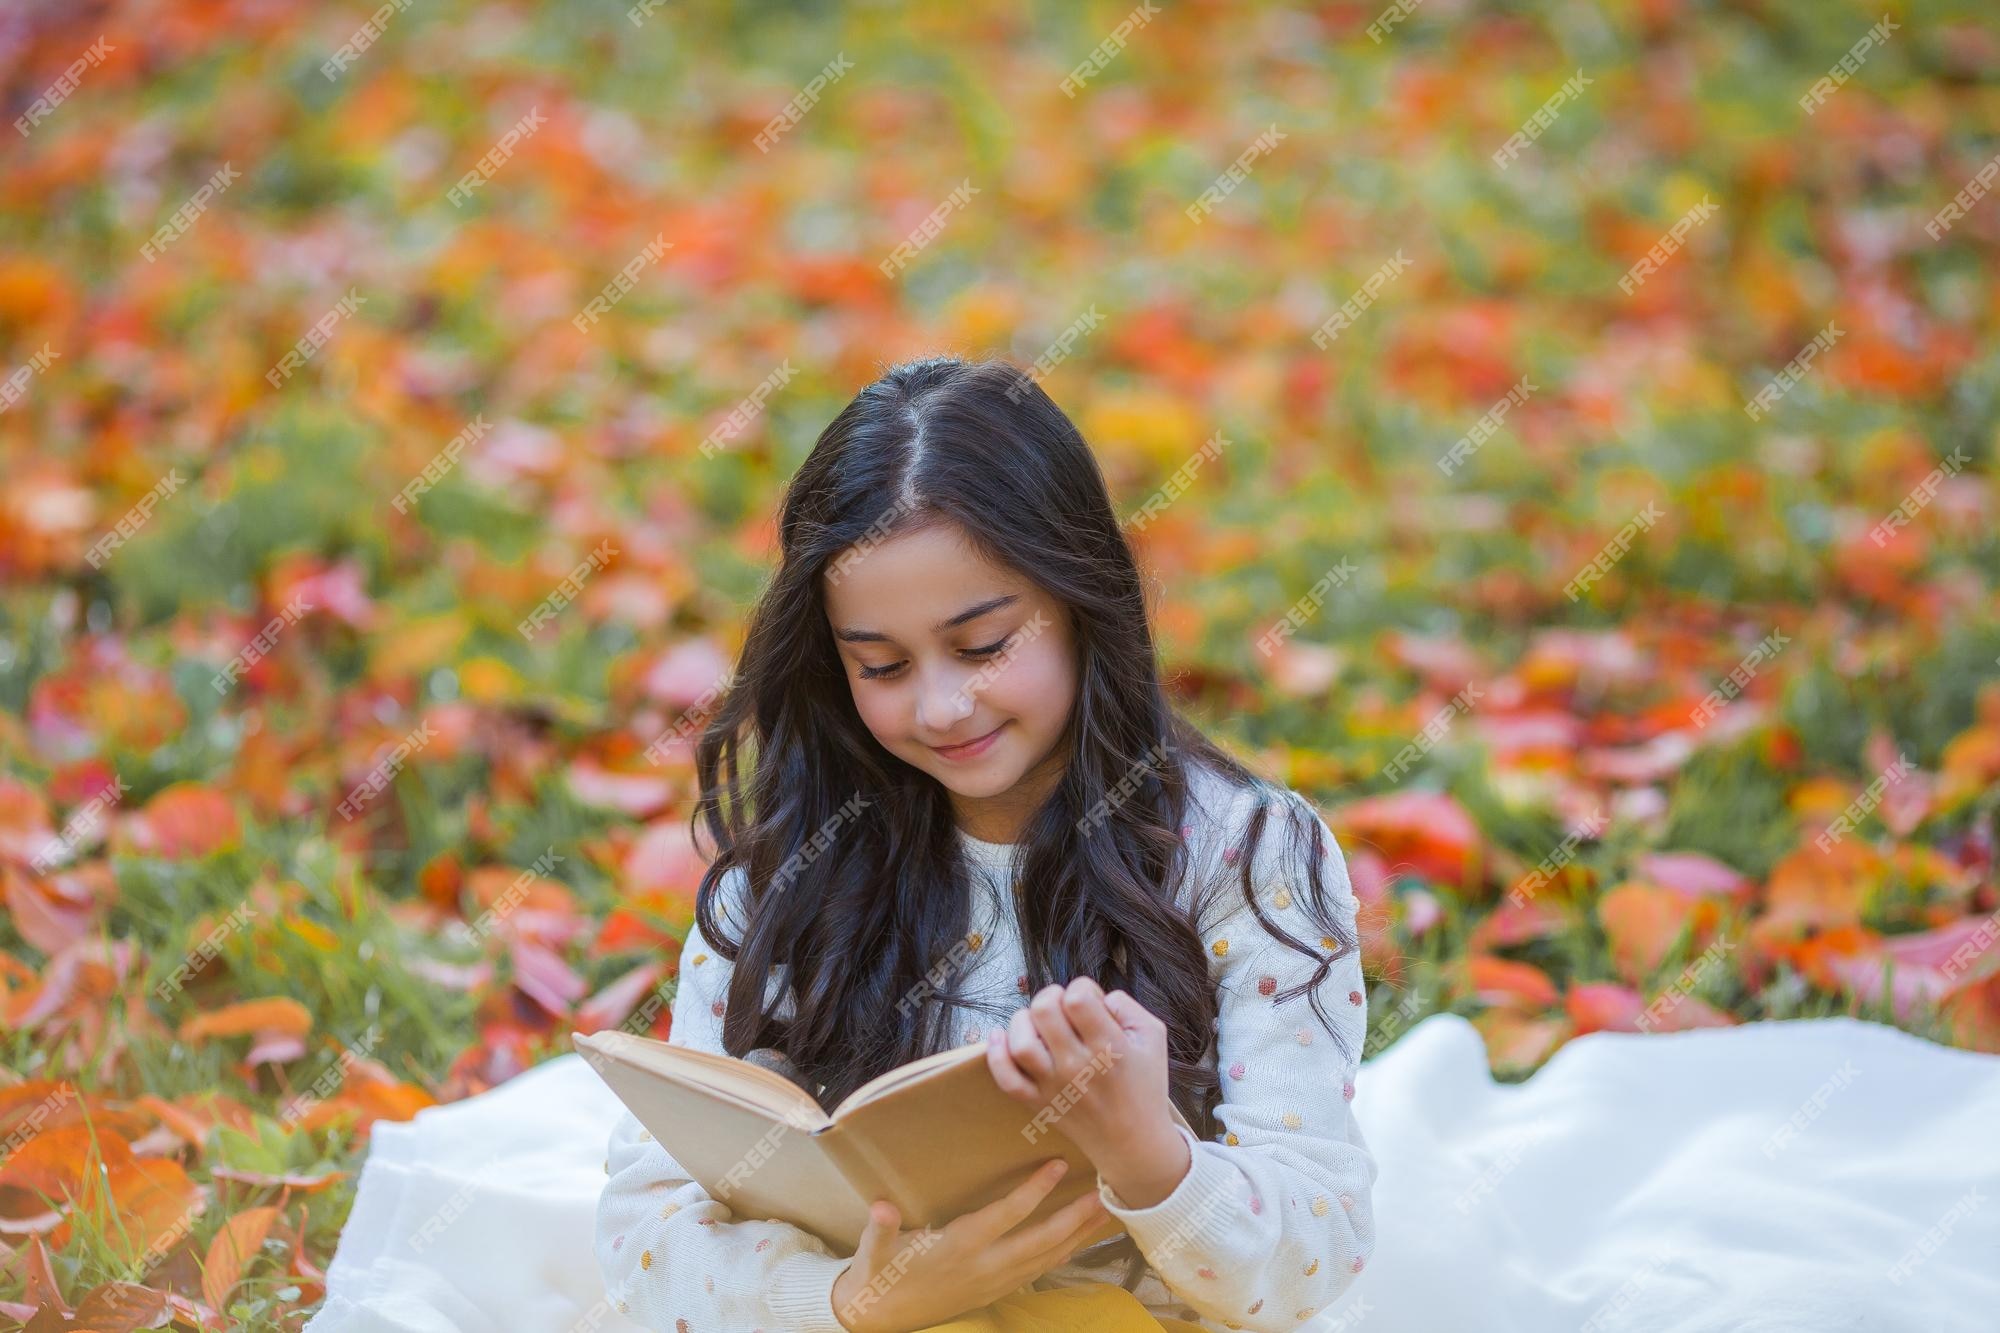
(855, 879)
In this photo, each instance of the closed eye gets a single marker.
(894, 668)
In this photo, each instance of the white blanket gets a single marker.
(1815, 1175)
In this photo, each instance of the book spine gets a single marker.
(869, 1172)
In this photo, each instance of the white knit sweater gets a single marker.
(1270, 1224)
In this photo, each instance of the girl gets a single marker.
(963, 756)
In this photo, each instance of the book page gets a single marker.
(756, 1162)
(739, 1079)
(947, 1140)
(882, 1084)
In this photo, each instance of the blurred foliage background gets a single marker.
(1747, 773)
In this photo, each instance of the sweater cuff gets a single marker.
(1196, 1215)
(801, 1292)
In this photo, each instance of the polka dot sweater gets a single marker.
(1272, 1221)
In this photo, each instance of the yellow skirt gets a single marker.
(1097, 1307)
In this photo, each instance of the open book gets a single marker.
(936, 1137)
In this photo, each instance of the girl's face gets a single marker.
(943, 648)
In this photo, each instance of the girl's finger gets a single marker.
(1047, 1011)
(1010, 1209)
(878, 1238)
(1131, 1015)
(1084, 1003)
(1005, 1073)
(1056, 1255)
(1025, 1045)
(1076, 1217)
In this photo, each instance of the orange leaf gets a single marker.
(185, 821)
(313, 1278)
(1969, 766)
(24, 819)
(627, 931)
(50, 1166)
(231, 1252)
(34, 1106)
(1974, 1014)
(1517, 1042)
(1642, 921)
(440, 879)
(1505, 983)
(272, 1014)
(155, 1200)
(362, 1102)
(503, 890)
(188, 1128)
(1824, 887)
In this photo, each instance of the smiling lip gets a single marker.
(971, 749)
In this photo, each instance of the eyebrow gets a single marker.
(969, 613)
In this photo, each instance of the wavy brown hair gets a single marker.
(856, 883)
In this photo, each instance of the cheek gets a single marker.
(878, 711)
(1037, 687)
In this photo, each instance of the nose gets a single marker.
(942, 702)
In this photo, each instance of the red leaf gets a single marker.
(1907, 796)
(1513, 923)
(1695, 875)
(38, 1276)
(1599, 1006)
(1658, 759)
(1919, 970)
(266, 1180)
(686, 676)
(120, 1307)
(1301, 670)
(1429, 832)
(48, 915)
(545, 978)
(274, 1048)
(639, 795)
(663, 861)
(617, 1000)
(1678, 1011)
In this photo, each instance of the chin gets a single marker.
(990, 782)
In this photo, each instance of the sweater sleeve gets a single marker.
(1274, 1222)
(672, 1257)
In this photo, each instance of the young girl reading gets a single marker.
(968, 813)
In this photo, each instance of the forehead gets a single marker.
(907, 583)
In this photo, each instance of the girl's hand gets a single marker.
(1097, 1064)
(912, 1279)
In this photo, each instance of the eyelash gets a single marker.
(887, 672)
